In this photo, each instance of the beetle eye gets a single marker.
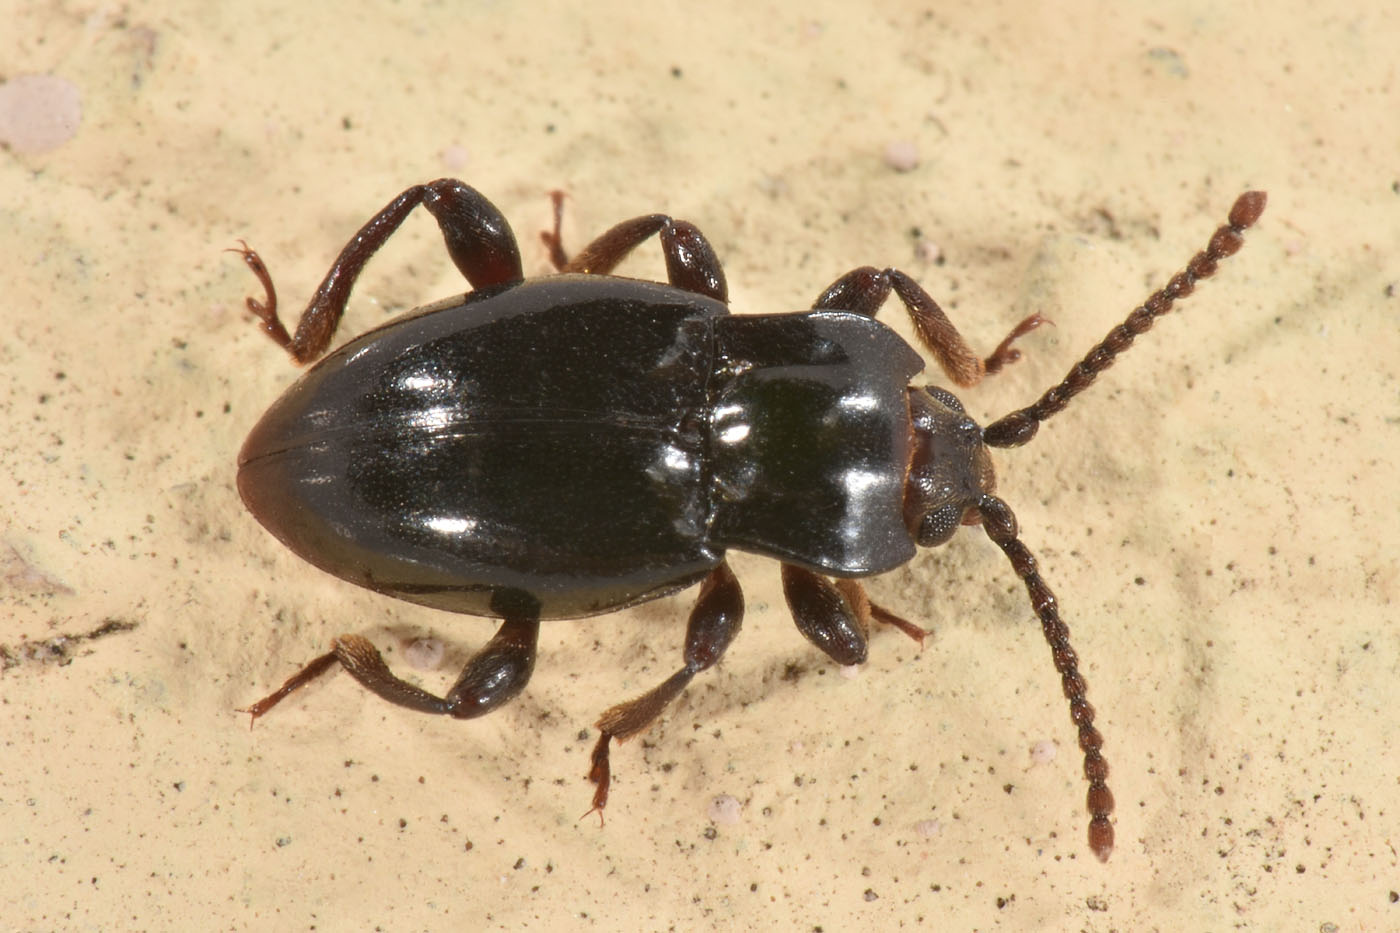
(939, 525)
(945, 398)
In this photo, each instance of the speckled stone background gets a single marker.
(1218, 516)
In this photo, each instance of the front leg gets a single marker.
(478, 239)
(865, 289)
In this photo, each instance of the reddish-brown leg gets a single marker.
(865, 289)
(691, 262)
(478, 239)
(494, 675)
(855, 596)
(715, 620)
(553, 239)
(835, 615)
(885, 617)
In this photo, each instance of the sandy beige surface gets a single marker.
(1218, 516)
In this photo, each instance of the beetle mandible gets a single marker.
(571, 445)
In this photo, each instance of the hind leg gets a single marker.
(477, 236)
(714, 622)
(494, 675)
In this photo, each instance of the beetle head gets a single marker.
(951, 483)
(949, 471)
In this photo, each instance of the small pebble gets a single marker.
(38, 112)
(454, 158)
(725, 810)
(927, 251)
(424, 654)
(775, 186)
(902, 155)
(928, 828)
(1043, 752)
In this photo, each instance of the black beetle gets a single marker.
(571, 445)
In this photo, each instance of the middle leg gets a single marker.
(691, 262)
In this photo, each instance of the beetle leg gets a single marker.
(494, 675)
(866, 611)
(833, 616)
(691, 262)
(865, 289)
(861, 290)
(292, 684)
(554, 239)
(883, 615)
(715, 620)
(478, 239)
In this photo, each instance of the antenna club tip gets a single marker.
(1247, 209)
(1101, 838)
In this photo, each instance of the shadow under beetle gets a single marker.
(574, 444)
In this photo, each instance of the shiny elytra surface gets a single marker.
(575, 444)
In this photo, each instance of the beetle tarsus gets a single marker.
(298, 680)
(266, 310)
(600, 773)
(1005, 353)
(554, 239)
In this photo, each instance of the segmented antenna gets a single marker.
(1000, 525)
(1019, 427)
